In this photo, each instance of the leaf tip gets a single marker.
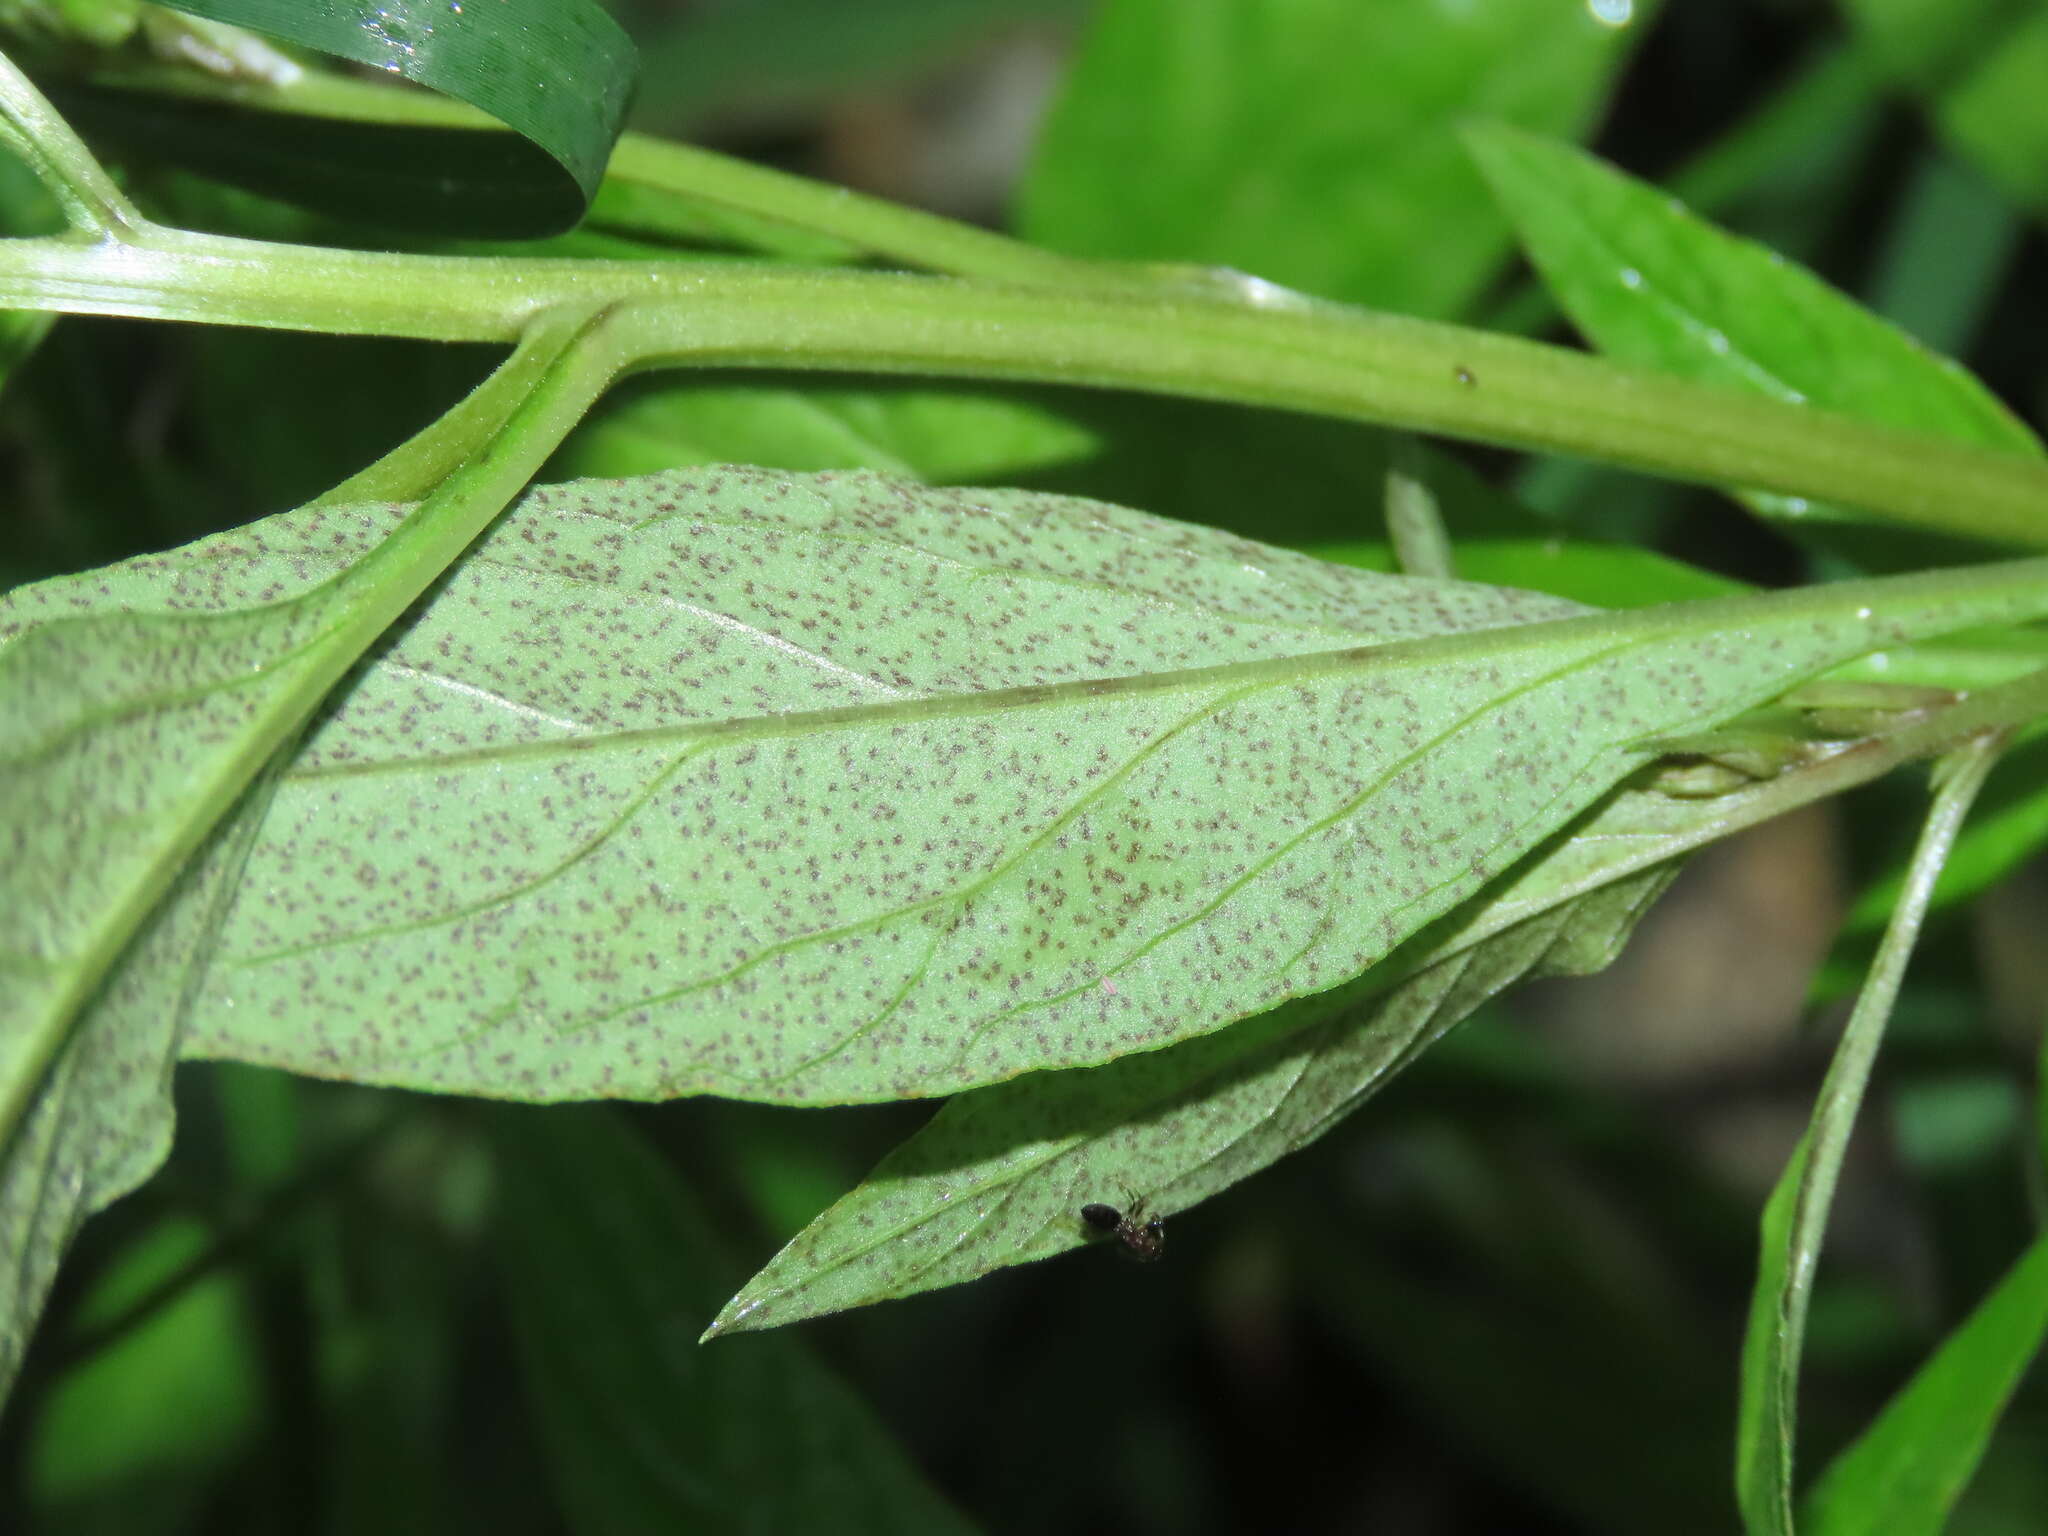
(736, 1316)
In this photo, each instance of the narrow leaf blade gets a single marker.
(1648, 282)
(1796, 1215)
(1904, 1474)
(1000, 1176)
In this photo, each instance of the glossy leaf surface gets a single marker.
(556, 71)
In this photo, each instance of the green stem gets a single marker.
(1099, 325)
(1195, 340)
(36, 132)
(872, 224)
(1415, 524)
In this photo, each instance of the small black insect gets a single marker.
(1141, 1242)
(1465, 376)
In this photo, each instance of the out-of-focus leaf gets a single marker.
(350, 399)
(26, 208)
(189, 41)
(101, 23)
(1313, 142)
(130, 1440)
(619, 813)
(2041, 1105)
(1547, 1381)
(1906, 1471)
(1950, 239)
(392, 1282)
(933, 434)
(612, 1268)
(1599, 575)
(1317, 485)
(21, 332)
(749, 55)
(1651, 284)
(1979, 64)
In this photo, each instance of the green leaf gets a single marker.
(388, 1263)
(1649, 283)
(1904, 1474)
(556, 71)
(608, 1257)
(1979, 64)
(103, 23)
(1305, 142)
(1796, 1215)
(126, 737)
(2041, 1104)
(25, 209)
(1000, 1174)
(794, 789)
(1271, 475)
(1951, 239)
(1780, 330)
(99, 1121)
(1317, 485)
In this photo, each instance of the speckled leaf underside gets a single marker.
(832, 788)
(999, 1176)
